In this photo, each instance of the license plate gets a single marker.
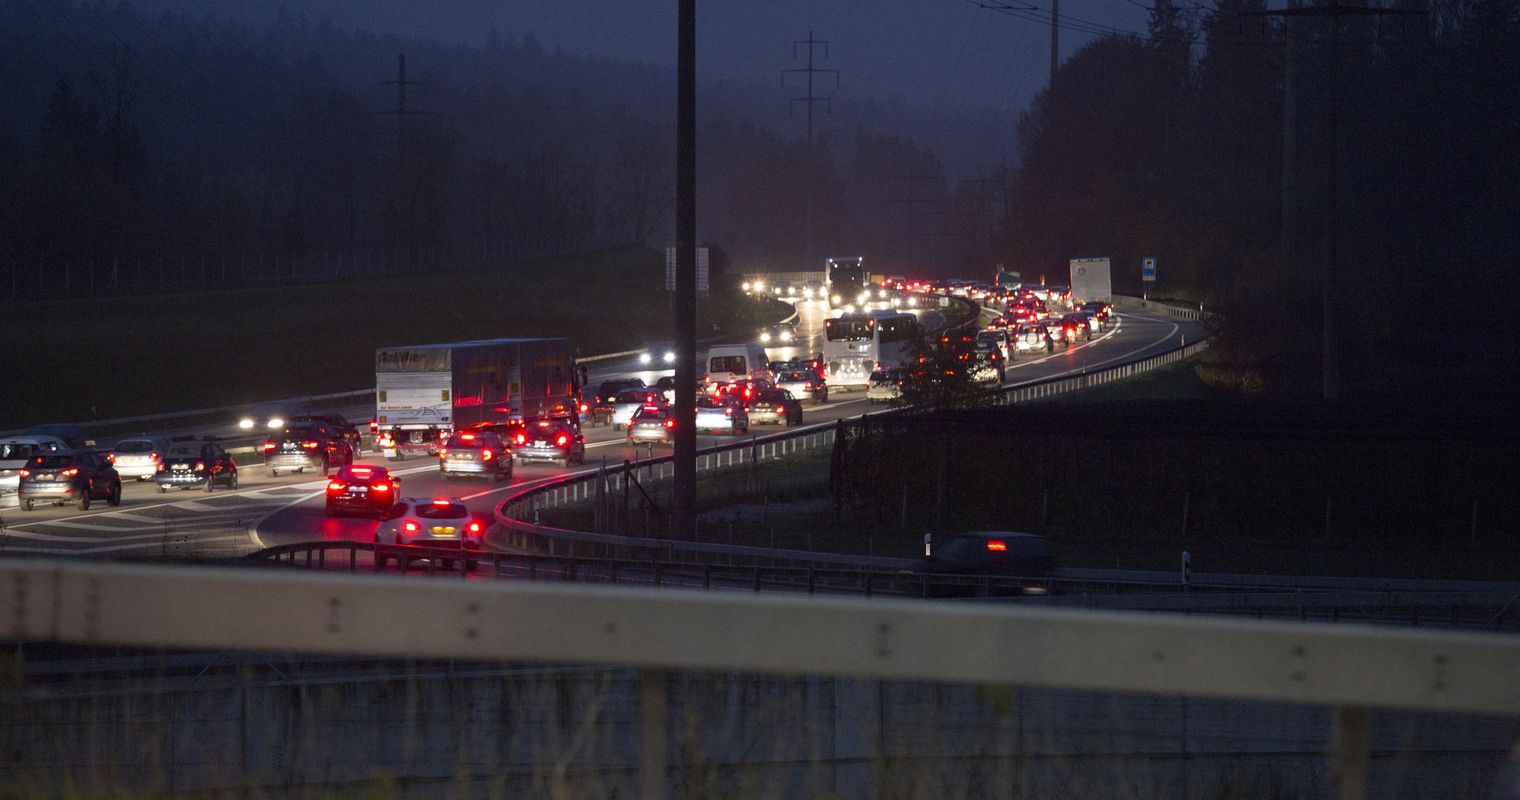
(361, 490)
(441, 531)
(288, 446)
(46, 477)
(180, 466)
(462, 456)
(540, 443)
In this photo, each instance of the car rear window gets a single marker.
(447, 511)
(184, 451)
(130, 446)
(52, 462)
(15, 451)
(475, 442)
(654, 414)
(632, 396)
(795, 376)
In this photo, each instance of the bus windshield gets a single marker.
(847, 330)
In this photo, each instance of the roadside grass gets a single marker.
(1178, 381)
(98, 358)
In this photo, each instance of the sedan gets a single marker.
(628, 402)
(653, 423)
(722, 414)
(551, 440)
(776, 406)
(804, 383)
(77, 476)
(360, 489)
(778, 335)
(436, 522)
(139, 457)
(192, 465)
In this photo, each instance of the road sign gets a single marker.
(702, 269)
(1148, 269)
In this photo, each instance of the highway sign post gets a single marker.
(1148, 272)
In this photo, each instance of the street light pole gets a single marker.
(683, 521)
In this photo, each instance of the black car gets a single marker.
(78, 476)
(1103, 311)
(194, 465)
(551, 440)
(362, 490)
(475, 453)
(606, 396)
(775, 405)
(997, 554)
(333, 422)
(297, 449)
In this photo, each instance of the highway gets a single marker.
(266, 511)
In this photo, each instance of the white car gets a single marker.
(627, 404)
(430, 521)
(661, 355)
(997, 336)
(804, 383)
(139, 457)
(1030, 338)
(14, 453)
(885, 386)
(722, 414)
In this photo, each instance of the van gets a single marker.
(730, 362)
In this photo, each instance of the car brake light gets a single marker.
(443, 451)
(728, 412)
(70, 472)
(269, 445)
(309, 445)
(162, 467)
(382, 488)
(411, 527)
(997, 545)
(584, 408)
(24, 473)
(335, 486)
(110, 458)
(200, 466)
(809, 385)
(440, 502)
(485, 455)
(670, 423)
(543, 423)
(152, 457)
(468, 437)
(360, 470)
(561, 440)
(474, 527)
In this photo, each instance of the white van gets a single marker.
(731, 362)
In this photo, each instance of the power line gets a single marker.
(809, 100)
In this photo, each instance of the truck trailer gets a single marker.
(424, 393)
(1090, 280)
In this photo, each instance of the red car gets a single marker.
(358, 489)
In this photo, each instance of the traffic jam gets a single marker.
(474, 412)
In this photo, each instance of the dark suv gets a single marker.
(476, 454)
(297, 449)
(71, 475)
(336, 423)
(196, 465)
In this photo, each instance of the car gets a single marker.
(885, 385)
(781, 335)
(79, 476)
(775, 405)
(627, 403)
(362, 489)
(72, 435)
(1071, 328)
(475, 454)
(194, 465)
(987, 366)
(607, 393)
(139, 457)
(335, 422)
(995, 337)
(804, 383)
(1004, 554)
(266, 416)
(666, 386)
(815, 365)
(551, 440)
(1103, 311)
(723, 413)
(300, 448)
(436, 522)
(659, 354)
(1033, 337)
(1059, 295)
(653, 423)
(592, 412)
(14, 453)
(1089, 319)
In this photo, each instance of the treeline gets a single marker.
(1172, 145)
(172, 144)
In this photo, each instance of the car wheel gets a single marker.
(274, 473)
(232, 481)
(210, 482)
(84, 499)
(163, 489)
(114, 498)
(26, 504)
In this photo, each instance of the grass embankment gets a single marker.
(77, 360)
(1178, 381)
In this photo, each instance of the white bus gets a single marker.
(855, 345)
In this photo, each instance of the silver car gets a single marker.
(14, 453)
(885, 386)
(430, 521)
(724, 414)
(139, 457)
(628, 402)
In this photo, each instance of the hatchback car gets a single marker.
(77, 476)
(628, 402)
(1103, 311)
(14, 453)
(435, 522)
(653, 423)
(194, 465)
(885, 386)
(297, 449)
(804, 383)
(775, 406)
(476, 454)
(359, 489)
(139, 457)
(551, 440)
(722, 414)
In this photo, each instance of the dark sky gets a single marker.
(935, 52)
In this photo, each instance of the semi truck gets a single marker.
(424, 393)
(844, 280)
(1090, 280)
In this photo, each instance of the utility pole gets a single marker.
(408, 214)
(1329, 364)
(809, 100)
(1055, 39)
(684, 501)
(913, 201)
(401, 112)
(1290, 140)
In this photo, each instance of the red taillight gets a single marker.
(24, 473)
(585, 408)
(152, 458)
(110, 458)
(162, 467)
(200, 466)
(670, 423)
(521, 438)
(70, 472)
(443, 451)
(268, 446)
(561, 440)
(440, 502)
(728, 412)
(382, 488)
(997, 545)
(809, 385)
(475, 527)
(485, 455)
(360, 470)
(468, 437)
(336, 486)
(411, 527)
(373, 426)
(309, 445)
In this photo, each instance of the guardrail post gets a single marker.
(757, 578)
(353, 559)
(1349, 742)
(322, 558)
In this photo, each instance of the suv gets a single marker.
(139, 457)
(297, 449)
(14, 453)
(195, 464)
(552, 440)
(334, 422)
(475, 453)
(77, 475)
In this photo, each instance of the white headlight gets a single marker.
(759, 286)
(670, 358)
(644, 358)
(245, 424)
(276, 422)
(746, 286)
(765, 337)
(837, 298)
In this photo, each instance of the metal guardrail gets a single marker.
(517, 517)
(1173, 311)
